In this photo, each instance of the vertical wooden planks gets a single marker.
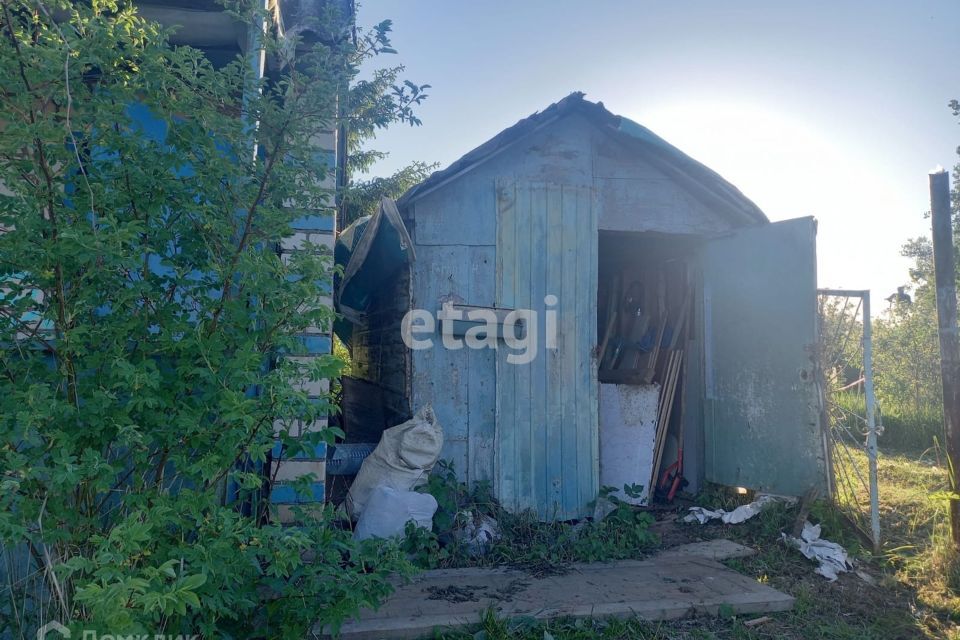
(568, 351)
(441, 375)
(481, 365)
(553, 442)
(522, 373)
(505, 467)
(547, 435)
(588, 431)
(540, 430)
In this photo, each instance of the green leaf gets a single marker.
(193, 582)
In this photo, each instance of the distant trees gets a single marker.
(906, 353)
(905, 345)
(361, 197)
(907, 356)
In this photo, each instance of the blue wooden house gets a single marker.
(221, 37)
(630, 252)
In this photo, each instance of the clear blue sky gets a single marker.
(832, 109)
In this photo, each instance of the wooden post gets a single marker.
(945, 277)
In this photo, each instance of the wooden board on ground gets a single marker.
(665, 587)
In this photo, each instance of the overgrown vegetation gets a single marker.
(362, 197)
(145, 320)
(620, 531)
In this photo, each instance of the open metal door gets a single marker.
(762, 407)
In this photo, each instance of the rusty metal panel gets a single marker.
(762, 423)
(546, 443)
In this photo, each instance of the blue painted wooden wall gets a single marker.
(541, 455)
(547, 456)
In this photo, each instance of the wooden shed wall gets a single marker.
(454, 231)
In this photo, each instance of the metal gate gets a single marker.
(846, 376)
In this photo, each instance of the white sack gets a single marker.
(831, 556)
(388, 511)
(738, 515)
(402, 460)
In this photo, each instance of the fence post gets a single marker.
(871, 419)
(945, 278)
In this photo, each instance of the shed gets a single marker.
(668, 315)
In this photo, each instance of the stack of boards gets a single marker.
(643, 334)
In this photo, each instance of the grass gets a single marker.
(908, 429)
(494, 628)
(905, 427)
(918, 548)
(914, 588)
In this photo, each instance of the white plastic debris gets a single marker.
(738, 515)
(388, 512)
(402, 460)
(831, 556)
(602, 508)
(477, 532)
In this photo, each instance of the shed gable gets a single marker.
(634, 193)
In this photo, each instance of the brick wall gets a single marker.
(317, 230)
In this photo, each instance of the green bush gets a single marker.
(144, 318)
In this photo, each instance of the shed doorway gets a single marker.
(646, 297)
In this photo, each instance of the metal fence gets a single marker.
(846, 359)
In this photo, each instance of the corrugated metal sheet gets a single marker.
(762, 410)
(546, 455)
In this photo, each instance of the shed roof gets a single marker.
(700, 180)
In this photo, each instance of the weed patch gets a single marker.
(541, 548)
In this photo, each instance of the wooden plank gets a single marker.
(523, 422)
(458, 202)
(554, 361)
(669, 388)
(681, 323)
(661, 430)
(481, 385)
(568, 348)
(541, 255)
(589, 427)
(664, 319)
(613, 310)
(505, 476)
